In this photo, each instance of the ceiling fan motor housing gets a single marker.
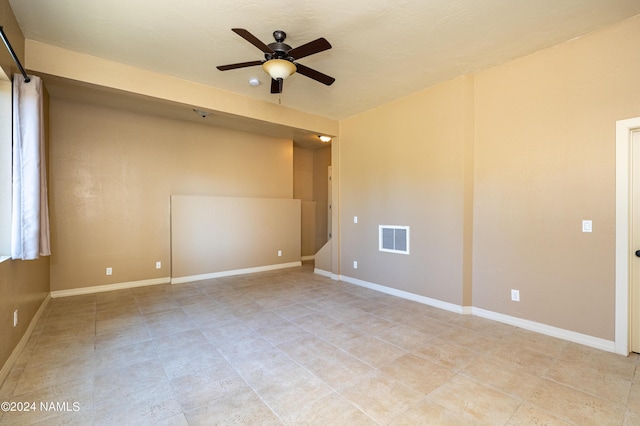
(279, 35)
(280, 48)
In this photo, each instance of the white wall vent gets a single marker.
(393, 239)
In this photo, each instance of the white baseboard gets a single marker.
(6, 368)
(406, 295)
(180, 280)
(322, 272)
(312, 257)
(572, 336)
(109, 287)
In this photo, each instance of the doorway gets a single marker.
(634, 261)
(626, 313)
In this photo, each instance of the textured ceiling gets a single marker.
(382, 50)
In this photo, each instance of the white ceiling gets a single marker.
(382, 49)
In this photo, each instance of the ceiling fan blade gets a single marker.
(315, 75)
(239, 65)
(252, 39)
(276, 85)
(310, 48)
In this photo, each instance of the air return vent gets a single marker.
(393, 239)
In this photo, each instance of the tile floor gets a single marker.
(291, 347)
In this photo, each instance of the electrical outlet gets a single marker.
(158, 265)
(15, 318)
(355, 264)
(109, 271)
(279, 252)
(515, 295)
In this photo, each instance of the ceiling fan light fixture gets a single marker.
(279, 68)
(324, 138)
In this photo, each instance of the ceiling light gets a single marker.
(325, 138)
(279, 68)
(254, 81)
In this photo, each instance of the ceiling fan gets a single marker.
(280, 58)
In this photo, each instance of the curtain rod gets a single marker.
(13, 55)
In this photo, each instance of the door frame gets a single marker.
(624, 130)
(329, 202)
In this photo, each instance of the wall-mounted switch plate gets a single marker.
(515, 295)
(109, 271)
(279, 252)
(355, 264)
(158, 265)
(587, 226)
(355, 219)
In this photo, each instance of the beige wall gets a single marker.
(112, 173)
(15, 37)
(404, 164)
(23, 286)
(308, 228)
(545, 160)
(538, 134)
(211, 235)
(303, 190)
(303, 174)
(321, 163)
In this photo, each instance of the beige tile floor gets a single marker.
(291, 347)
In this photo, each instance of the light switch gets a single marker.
(587, 226)
(355, 219)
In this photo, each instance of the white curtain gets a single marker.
(30, 210)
